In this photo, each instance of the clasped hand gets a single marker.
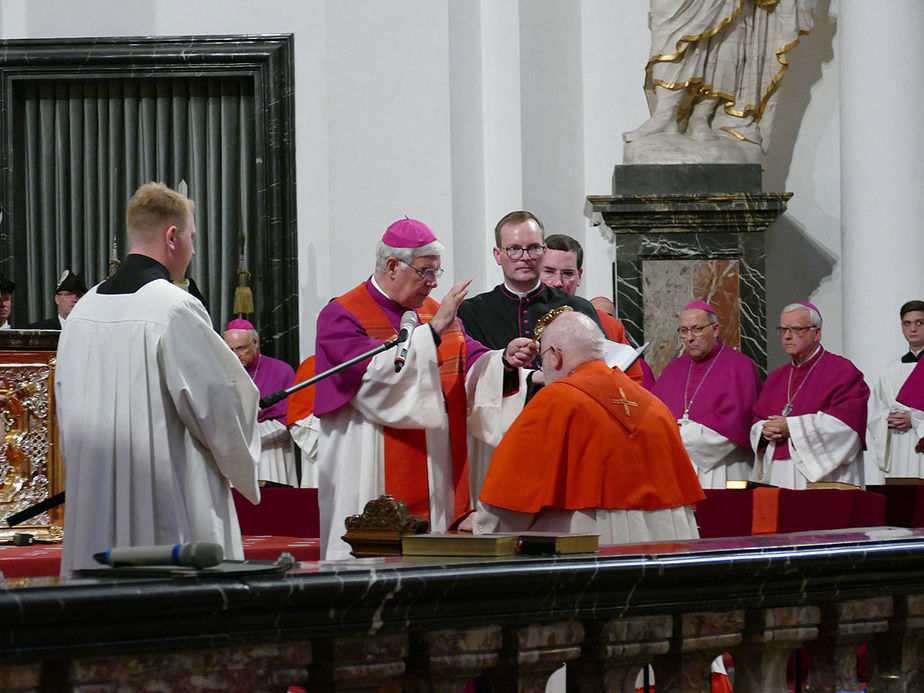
(900, 420)
(775, 429)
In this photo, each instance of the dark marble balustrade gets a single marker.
(427, 624)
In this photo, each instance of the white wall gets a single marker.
(457, 111)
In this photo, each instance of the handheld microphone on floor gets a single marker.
(408, 323)
(197, 554)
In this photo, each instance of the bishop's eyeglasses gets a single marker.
(696, 330)
(515, 252)
(428, 274)
(795, 331)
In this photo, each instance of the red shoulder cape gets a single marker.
(594, 439)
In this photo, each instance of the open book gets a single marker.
(622, 355)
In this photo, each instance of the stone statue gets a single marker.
(712, 78)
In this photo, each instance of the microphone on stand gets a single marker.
(408, 323)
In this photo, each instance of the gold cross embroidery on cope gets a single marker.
(625, 402)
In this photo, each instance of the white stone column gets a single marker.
(486, 131)
(882, 174)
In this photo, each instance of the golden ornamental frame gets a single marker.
(31, 469)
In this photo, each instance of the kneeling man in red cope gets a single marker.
(592, 452)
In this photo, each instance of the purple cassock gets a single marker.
(825, 383)
(912, 392)
(271, 375)
(719, 391)
(342, 337)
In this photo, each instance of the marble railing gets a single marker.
(433, 624)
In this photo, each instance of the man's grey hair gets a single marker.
(253, 334)
(576, 333)
(406, 255)
(814, 315)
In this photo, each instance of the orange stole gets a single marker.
(406, 475)
(301, 403)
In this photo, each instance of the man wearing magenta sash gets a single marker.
(810, 417)
(403, 432)
(912, 395)
(892, 438)
(711, 389)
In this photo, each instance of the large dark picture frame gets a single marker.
(265, 60)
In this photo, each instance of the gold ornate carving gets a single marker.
(30, 465)
(387, 512)
(547, 319)
(377, 531)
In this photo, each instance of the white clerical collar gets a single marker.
(521, 294)
(917, 353)
(799, 365)
(380, 290)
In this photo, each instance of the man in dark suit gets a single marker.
(68, 291)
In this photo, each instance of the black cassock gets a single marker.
(498, 316)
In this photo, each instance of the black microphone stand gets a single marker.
(274, 397)
(271, 399)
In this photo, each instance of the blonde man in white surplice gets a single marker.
(157, 415)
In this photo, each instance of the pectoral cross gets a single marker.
(624, 401)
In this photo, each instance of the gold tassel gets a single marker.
(243, 297)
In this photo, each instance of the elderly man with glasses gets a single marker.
(810, 417)
(512, 308)
(402, 431)
(710, 389)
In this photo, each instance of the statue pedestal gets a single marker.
(687, 232)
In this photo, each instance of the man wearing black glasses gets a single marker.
(402, 429)
(710, 388)
(512, 308)
(810, 417)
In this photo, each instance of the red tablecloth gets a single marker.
(44, 560)
(736, 513)
(904, 504)
(284, 512)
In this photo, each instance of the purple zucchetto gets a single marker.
(700, 305)
(808, 305)
(240, 324)
(408, 233)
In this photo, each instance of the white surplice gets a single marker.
(490, 416)
(277, 453)
(890, 448)
(157, 419)
(615, 526)
(715, 458)
(821, 448)
(351, 446)
(305, 432)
